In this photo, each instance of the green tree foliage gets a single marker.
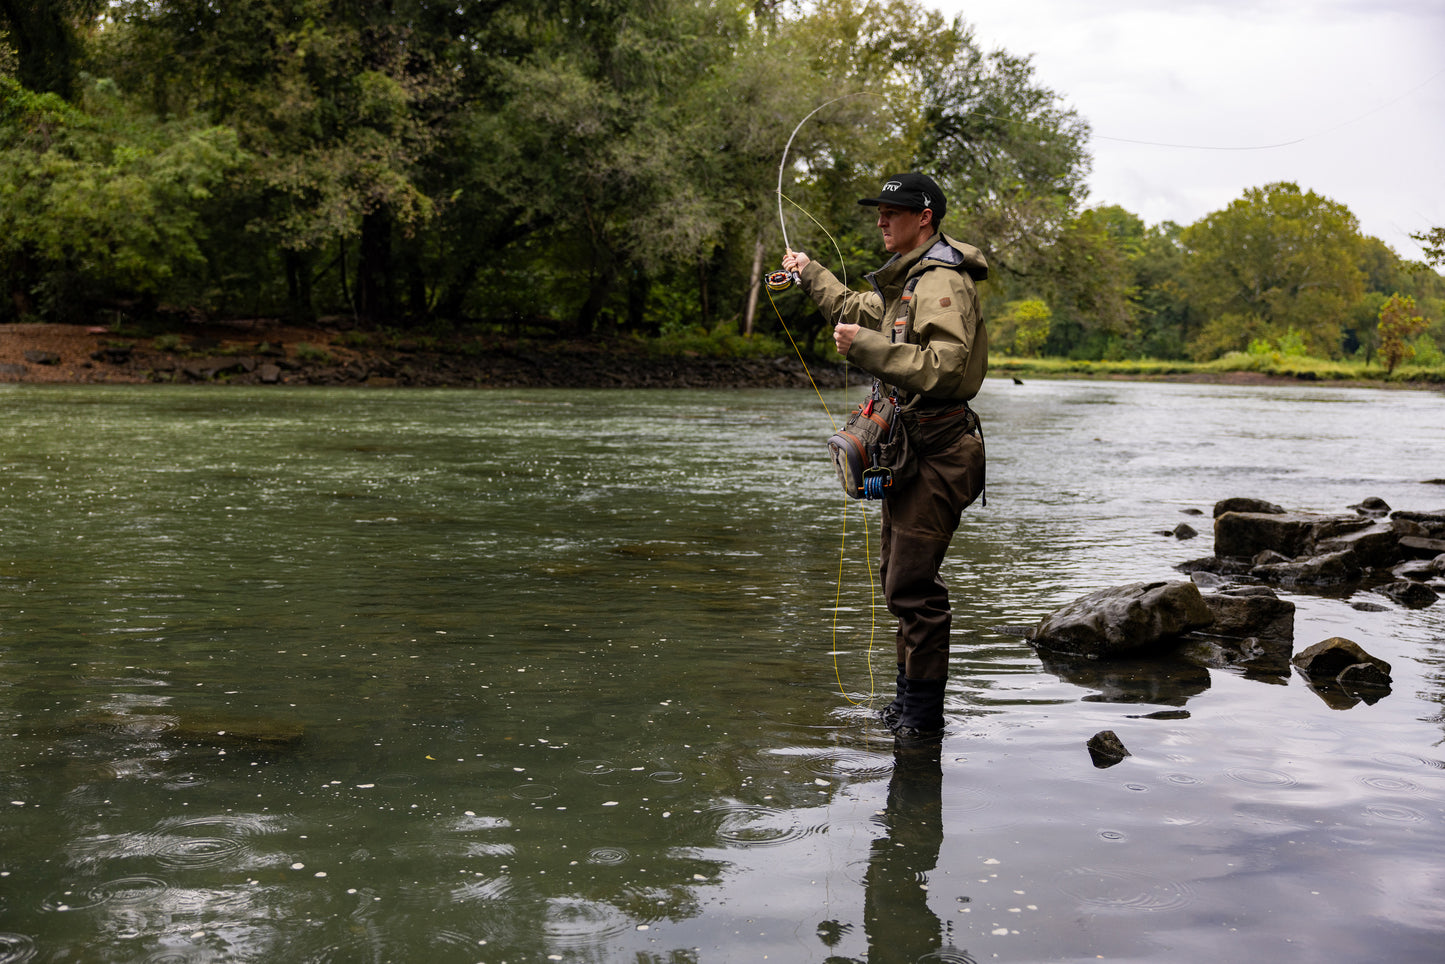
(1023, 326)
(1398, 325)
(47, 37)
(1279, 257)
(1433, 243)
(101, 204)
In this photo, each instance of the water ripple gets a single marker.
(1395, 812)
(608, 855)
(1389, 784)
(1261, 777)
(16, 948)
(572, 922)
(744, 825)
(1124, 890)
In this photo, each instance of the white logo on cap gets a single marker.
(927, 201)
(893, 186)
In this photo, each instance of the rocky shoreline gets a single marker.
(267, 354)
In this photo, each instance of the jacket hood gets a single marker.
(938, 250)
(945, 250)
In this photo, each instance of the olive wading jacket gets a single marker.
(946, 357)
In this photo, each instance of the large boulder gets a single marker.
(1246, 534)
(1243, 611)
(1123, 619)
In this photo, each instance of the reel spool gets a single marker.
(779, 281)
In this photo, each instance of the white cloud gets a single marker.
(1359, 85)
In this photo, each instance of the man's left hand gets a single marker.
(843, 337)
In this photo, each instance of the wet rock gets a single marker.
(1258, 658)
(1324, 661)
(1269, 557)
(1375, 547)
(10, 368)
(1411, 595)
(1421, 547)
(1245, 611)
(1106, 749)
(38, 356)
(1242, 504)
(1330, 569)
(1182, 531)
(268, 373)
(1207, 580)
(1244, 535)
(1215, 566)
(1371, 507)
(1192, 511)
(1363, 676)
(1417, 570)
(1369, 607)
(1433, 523)
(1123, 619)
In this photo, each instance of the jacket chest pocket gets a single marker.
(903, 320)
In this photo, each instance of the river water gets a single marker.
(340, 676)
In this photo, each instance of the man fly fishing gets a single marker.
(920, 333)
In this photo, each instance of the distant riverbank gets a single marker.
(263, 352)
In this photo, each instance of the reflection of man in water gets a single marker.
(896, 916)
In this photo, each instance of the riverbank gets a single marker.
(270, 353)
(261, 353)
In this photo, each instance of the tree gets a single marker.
(1024, 325)
(101, 205)
(47, 37)
(1276, 258)
(1433, 243)
(1398, 324)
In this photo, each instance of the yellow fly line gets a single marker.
(843, 545)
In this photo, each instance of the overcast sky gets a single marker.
(1360, 84)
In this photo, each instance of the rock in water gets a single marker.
(1326, 660)
(1123, 619)
(1106, 749)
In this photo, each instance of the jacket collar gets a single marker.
(898, 267)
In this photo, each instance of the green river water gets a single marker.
(365, 676)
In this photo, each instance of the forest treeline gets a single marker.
(588, 168)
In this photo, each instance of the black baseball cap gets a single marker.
(917, 192)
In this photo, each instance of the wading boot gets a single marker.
(922, 714)
(889, 714)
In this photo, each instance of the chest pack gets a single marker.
(870, 452)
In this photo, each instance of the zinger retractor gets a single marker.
(779, 281)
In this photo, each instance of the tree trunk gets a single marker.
(637, 286)
(702, 293)
(757, 280)
(597, 295)
(375, 286)
(300, 305)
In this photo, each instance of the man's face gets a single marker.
(903, 228)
